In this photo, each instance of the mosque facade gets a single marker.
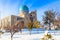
(23, 16)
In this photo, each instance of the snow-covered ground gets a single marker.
(36, 35)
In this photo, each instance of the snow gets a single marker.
(36, 35)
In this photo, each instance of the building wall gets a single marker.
(4, 22)
(26, 19)
(11, 20)
(33, 14)
(27, 16)
(14, 19)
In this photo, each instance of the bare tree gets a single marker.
(14, 28)
(49, 18)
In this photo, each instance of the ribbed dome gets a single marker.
(24, 8)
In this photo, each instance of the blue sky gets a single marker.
(11, 7)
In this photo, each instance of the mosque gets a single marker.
(23, 16)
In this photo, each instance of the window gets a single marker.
(30, 15)
(18, 18)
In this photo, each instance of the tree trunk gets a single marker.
(54, 27)
(11, 37)
(0, 35)
(49, 27)
(30, 32)
(37, 30)
(21, 31)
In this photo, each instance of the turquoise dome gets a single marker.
(24, 8)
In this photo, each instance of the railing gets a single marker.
(40, 31)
